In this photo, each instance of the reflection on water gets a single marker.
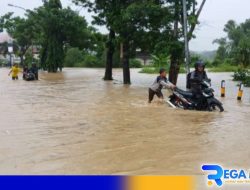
(75, 123)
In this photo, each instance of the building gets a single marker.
(5, 37)
(5, 57)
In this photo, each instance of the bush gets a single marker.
(76, 58)
(28, 60)
(247, 82)
(3, 62)
(160, 61)
(150, 70)
(229, 61)
(216, 62)
(91, 61)
(134, 63)
(208, 64)
(241, 75)
(73, 58)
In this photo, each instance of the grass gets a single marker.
(218, 69)
(155, 70)
(224, 68)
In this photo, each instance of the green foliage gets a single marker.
(153, 26)
(64, 27)
(150, 70)
(77, 58)
(53, 28)
(73, 57)
(241, 75)
(29, 59)
(222, 52)
(134, 63)
(155, 70)
(160, 61)
(235, 48)
(3, 62)
(92, 61)
(247, 82)
(21, 30)
(223, 68)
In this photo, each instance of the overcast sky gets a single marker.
(213, 18)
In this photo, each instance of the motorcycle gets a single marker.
(29, 76)
(204, 102)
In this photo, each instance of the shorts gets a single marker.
(153, 93)
(15, 78)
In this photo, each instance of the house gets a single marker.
(5, 39)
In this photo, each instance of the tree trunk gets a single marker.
(174, 70)
(110, 53)
(174, 67)
(125, 62)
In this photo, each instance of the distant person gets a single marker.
(14, 71)
(160, 83)
(34, 70)
(25, 71)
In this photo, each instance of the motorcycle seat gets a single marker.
(185, 93)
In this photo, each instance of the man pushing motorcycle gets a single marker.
(160, 82)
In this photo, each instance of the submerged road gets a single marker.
(75, 123)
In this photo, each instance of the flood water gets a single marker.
(75, 123)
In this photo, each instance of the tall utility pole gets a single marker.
(187, 59)
(10, 50)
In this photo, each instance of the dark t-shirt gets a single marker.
(195, 79)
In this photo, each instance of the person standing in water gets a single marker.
(15, 71)
(25, 71)
(34, 70)
(160, 82)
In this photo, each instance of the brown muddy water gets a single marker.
(75, 123)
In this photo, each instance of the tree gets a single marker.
(20, 29)
(52, 54)
(152, 25)
(133, 24)
(57, 28)
(222, 52)
(177, 50)
(73, 57)
(139, 26)
(236, 45)
(105, 11)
